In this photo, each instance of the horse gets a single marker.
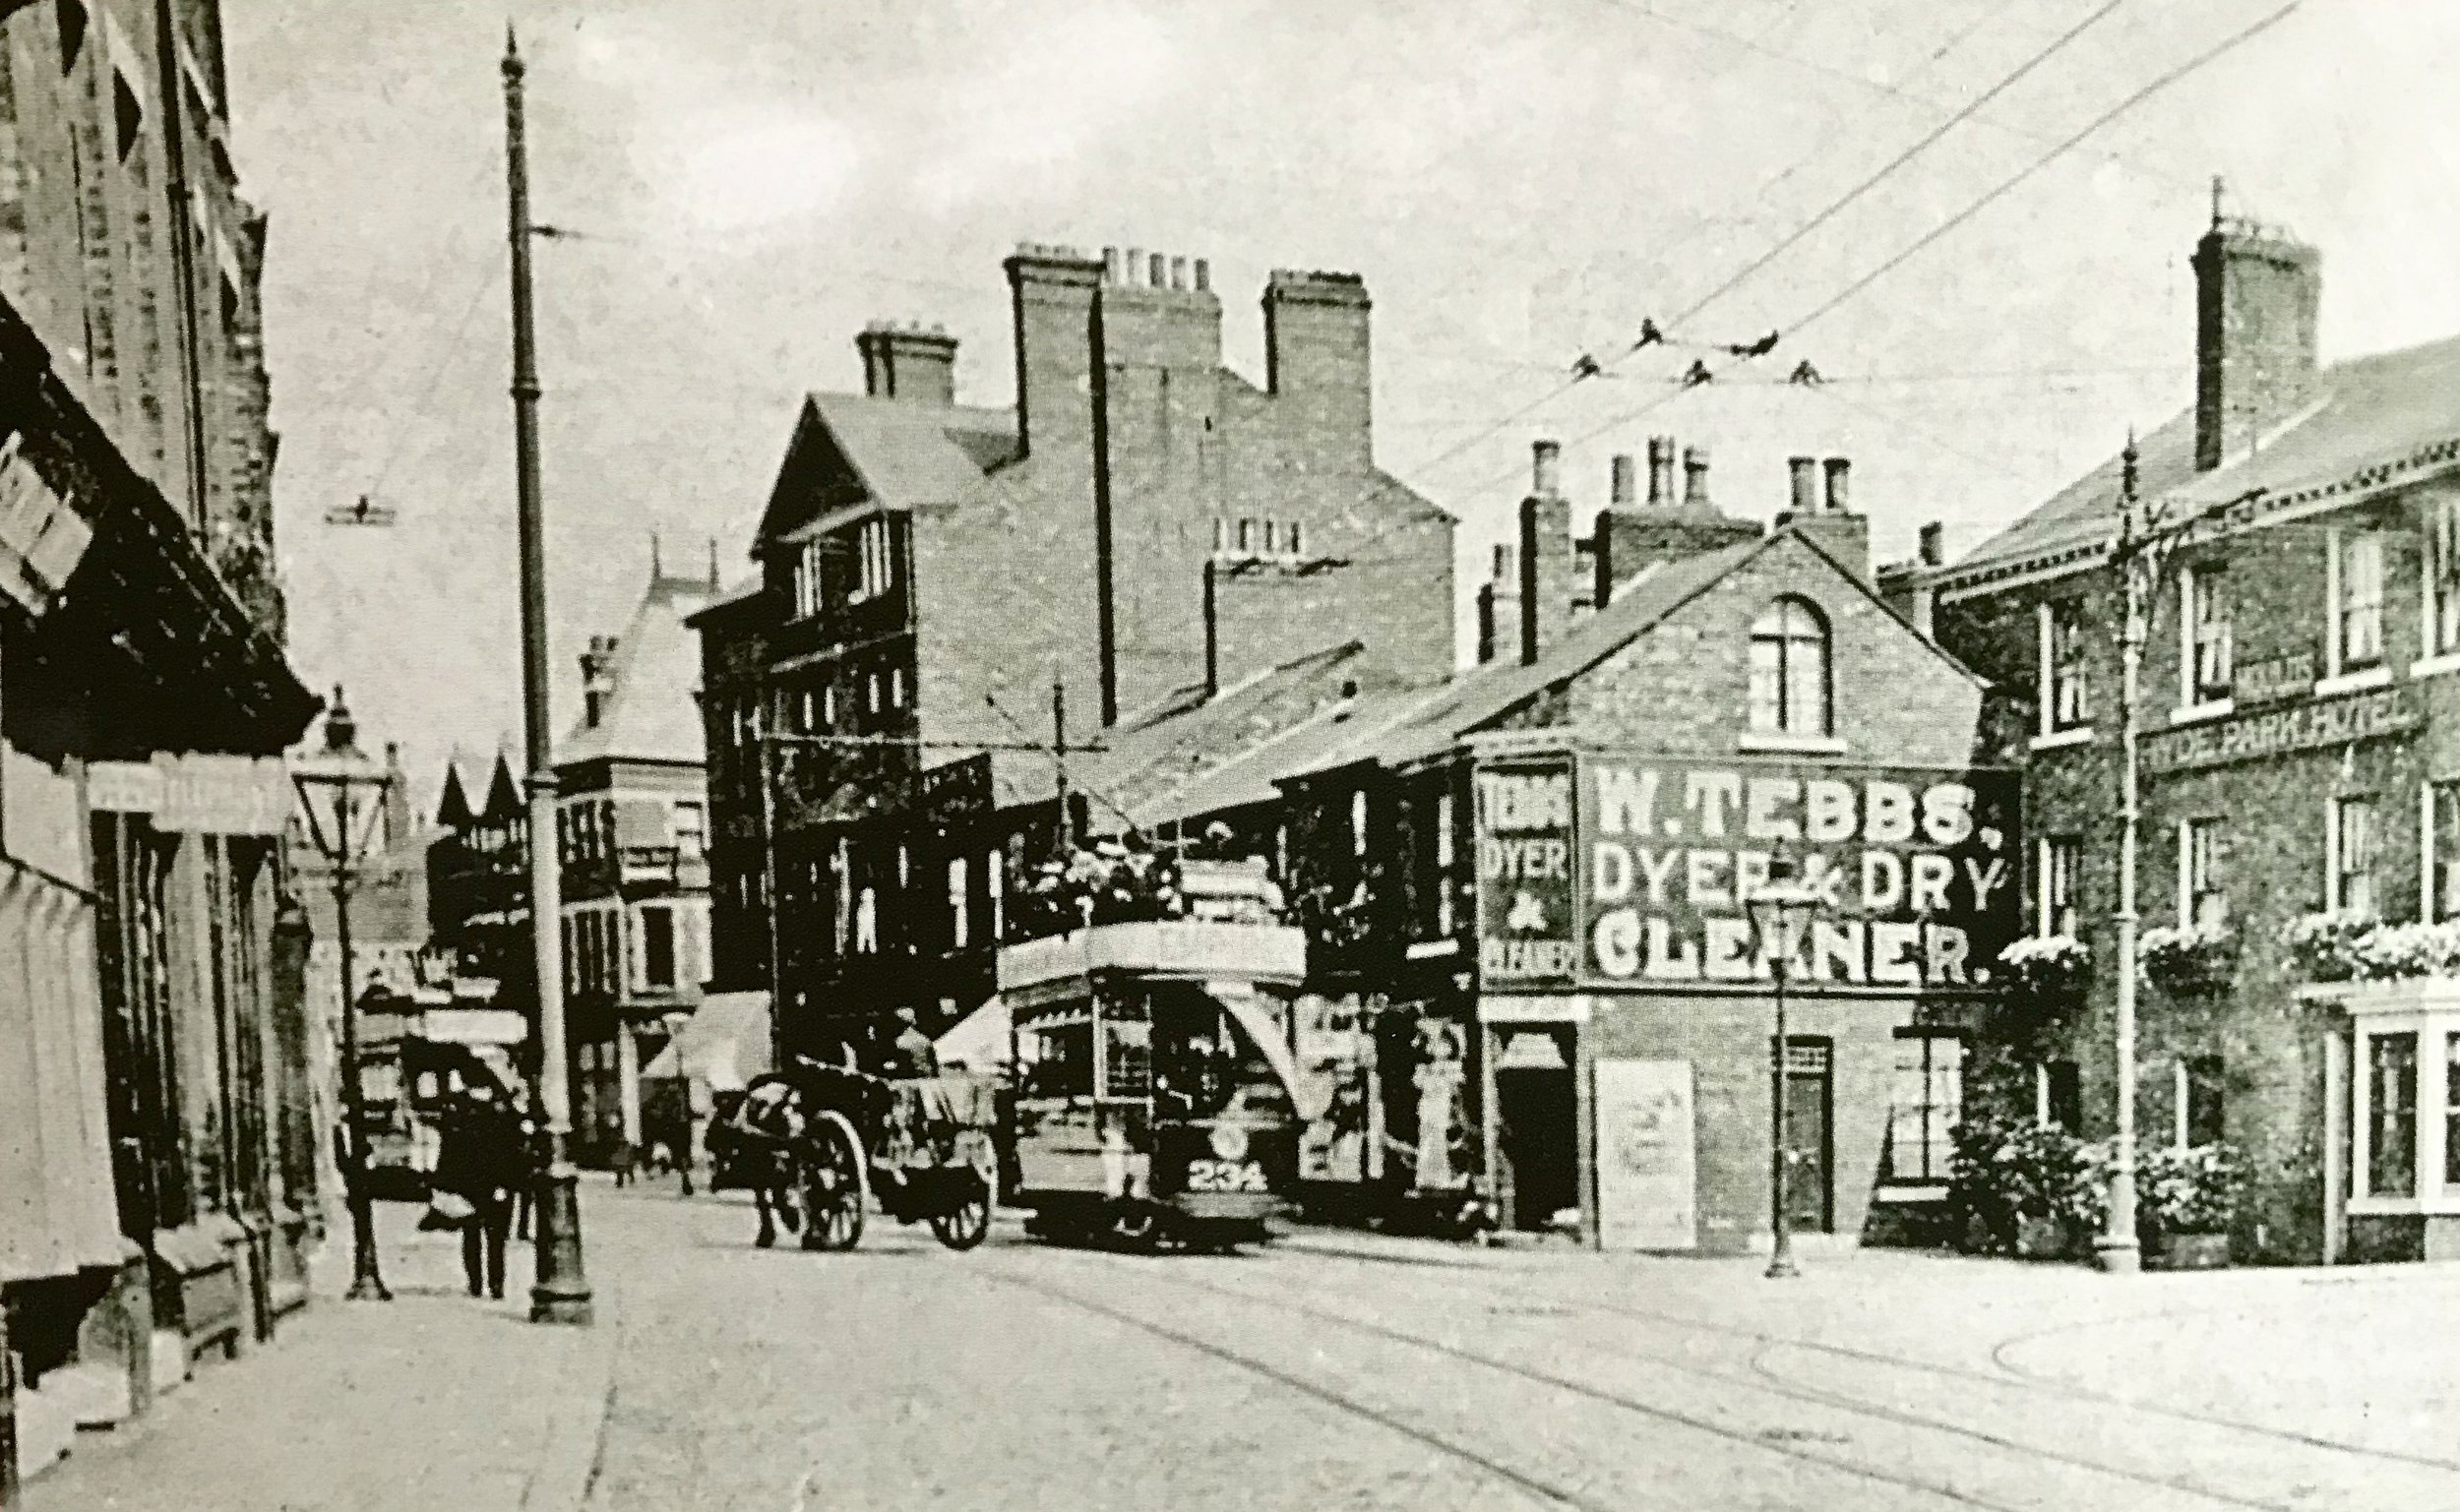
(757, 1142)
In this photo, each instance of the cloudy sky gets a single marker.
(1521, 181)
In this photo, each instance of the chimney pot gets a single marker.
(1158, 269)
(1694, 477)
(1661, 471)
(1545, 466)
(1110, 264)
(1504, 570)
(1203, 275)
(1805, 478)
(1839, 468)
(1136, 267)
(1178, 273)
(1932, 550)
(1621, 493)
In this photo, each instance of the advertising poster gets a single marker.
(1526, 929)
(1919, 871)
(1646, 1161)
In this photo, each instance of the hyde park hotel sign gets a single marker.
(1610, 871)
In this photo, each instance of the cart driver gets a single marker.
(915, 1053)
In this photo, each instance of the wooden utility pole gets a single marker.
(561, 1293)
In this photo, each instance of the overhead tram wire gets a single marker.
(415, 421)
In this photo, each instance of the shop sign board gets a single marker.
(1647, 1175)
(2282, 731)
(225, 795)
(1526, 929)
(1918, 871)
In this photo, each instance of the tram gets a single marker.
(1156, 1099)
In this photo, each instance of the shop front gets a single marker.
(1626, 1010)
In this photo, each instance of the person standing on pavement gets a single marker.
(484, 1159)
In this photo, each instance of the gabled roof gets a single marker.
(503, 797)
(904, 452)
(453, 809)
(2373, 420)
(651, 715)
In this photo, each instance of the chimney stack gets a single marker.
(1694, 477)
(1838, 530)
(908, 362)
(1548, 562)
(1932, 552)
(1622, 495)
(1661, 473)
(2257, 293)
(1499, 600)
(1838, 470)
(1806, 494)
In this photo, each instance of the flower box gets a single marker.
(2335, 947)
(2187, 960)
(2047, 975)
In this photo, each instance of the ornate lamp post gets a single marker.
(1780, 910)
(341, 795)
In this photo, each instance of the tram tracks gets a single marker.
(1760, 1377)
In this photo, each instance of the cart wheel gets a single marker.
(835, 1187)
(967, 1221)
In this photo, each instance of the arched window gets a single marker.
(1789, 689)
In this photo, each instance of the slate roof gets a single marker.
(2374, 420)
(907, 453)
(651, 715)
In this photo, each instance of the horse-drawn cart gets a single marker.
(818, 1142)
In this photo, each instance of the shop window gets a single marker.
(1928, 1095)
(2356, 592)
(2059, 1095)
(2208, 657)
(1789, 670)
(2354, 856)
(2203, 899)
(2392, 1114)
(2056, 888)
(2201, 1102)
(657, 949)
(2066, 703)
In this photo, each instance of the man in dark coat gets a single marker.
(484, 1161)
(915, 1055)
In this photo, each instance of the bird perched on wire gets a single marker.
(1759, 349)
(1650, 336)
(1587, 366)
(1804, 375)
(1698, 375)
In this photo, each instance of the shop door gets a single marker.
(1538, 1106)
(1809, 1189)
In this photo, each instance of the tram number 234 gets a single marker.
(1225, 1176)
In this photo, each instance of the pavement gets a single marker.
(1330, 1371)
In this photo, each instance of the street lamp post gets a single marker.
(1780, 910)
(342, 794)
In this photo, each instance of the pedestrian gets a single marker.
(916, 1056)
(483, 1163)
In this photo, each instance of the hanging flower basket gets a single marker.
(2047, 976)
(2349, 947)
(2187, 960)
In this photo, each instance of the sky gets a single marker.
(744, 183)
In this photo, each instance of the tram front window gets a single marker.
(1204, 1063)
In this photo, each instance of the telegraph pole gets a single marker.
(560, 1291)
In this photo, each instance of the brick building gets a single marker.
(158, 1151)
(632, 828)
(2299, 746)
(1517, 970)
(1143, 528)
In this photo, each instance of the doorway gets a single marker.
(1809, 1136)
(1538, 1113)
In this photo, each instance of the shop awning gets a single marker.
(723, 1045)
(59, 1210)
(979, 1041)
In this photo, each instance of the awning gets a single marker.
(59, 1209)
(979, 1041)
(723, 1045)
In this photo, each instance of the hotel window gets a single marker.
(2354, 856)
(2055, 888)
(2443, 578)
(2357, 581)
(1789, 670)
(2203, 895)
(657, 949)
(2392, 1116)
(2067, 703)
(2199, 1102)
(2059, 1095)
(2442, 841)
(874, 568)
(2209, 647)
(960, 922)
(1929, 1093)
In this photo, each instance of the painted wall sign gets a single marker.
(2279, 732)
(1646, 1159)
(2273, 680)
(1917, 869)
(1526, 931)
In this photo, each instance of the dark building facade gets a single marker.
(157, 1152)
(2299, 746)
(944, 587)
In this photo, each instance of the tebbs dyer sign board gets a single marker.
(1526, 929)
(1918, 872)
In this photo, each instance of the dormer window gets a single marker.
(1789, 670)
(809, 595)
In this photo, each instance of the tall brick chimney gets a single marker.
(1317, 352)
(2257, 293)
(1052, 295)
(1499, 605)
(1829, 519)
(1548, 562)
(908, 362)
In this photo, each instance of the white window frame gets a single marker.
(2189, 830)
(960, 903)
(2333, 814)
(995, 882)
(2195, 591)
(2339, 676)
(2045, 906)
(1936, 1176)
(1446, 919)
(2049, 732)
(2438, 578)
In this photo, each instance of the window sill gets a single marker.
(2435, 665)
(1910, 1192)
(1772, 742)
(2197, 713)
(2441, 1205)
(2353, 681)
(2080, 735)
